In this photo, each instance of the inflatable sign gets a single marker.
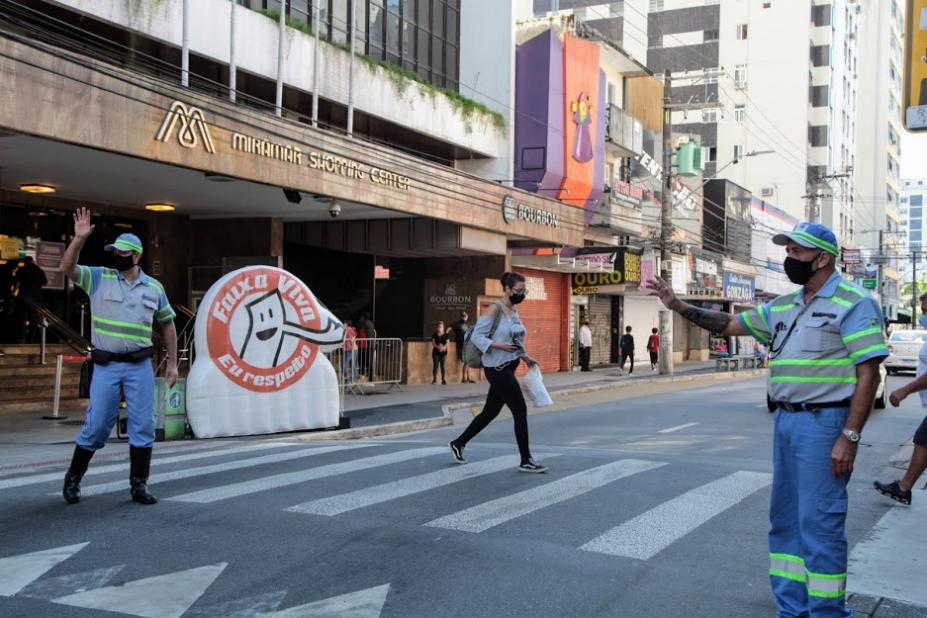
(259, 368)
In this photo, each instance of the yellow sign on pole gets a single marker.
(915, 62)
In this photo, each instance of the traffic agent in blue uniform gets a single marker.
(825, 343)
(124, 302)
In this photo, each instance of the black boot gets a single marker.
(140, 459)
(75, 473)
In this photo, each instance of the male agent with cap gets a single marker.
(123, 303)
(825, 345)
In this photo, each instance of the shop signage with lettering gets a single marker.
(450, 300)
(536, 289)
(512, 211)
(739, 287)
(48, 257)
(627, 194)
(627, 271)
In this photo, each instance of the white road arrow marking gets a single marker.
(17, 572)
(55, 587)
(361, 604)
(163, 596)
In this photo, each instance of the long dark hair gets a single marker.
(509, 280)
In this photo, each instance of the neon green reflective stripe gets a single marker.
(793, 576)
(127, 246)
(809, 380)
(850, 288)
(827, 586)
(107, 275)
(817, 242)
(808, 362)
(841, 302)
(787, 558)
(156, 285)
(165, 311)
(862, 333)
(781, 308)
(141, 327)
(115, 335)
(80, 277)
(759, 310)
(746, 320)
(879, 347)
(823, 594)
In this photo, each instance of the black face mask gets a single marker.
(799, 272)
(517, 298)
(123, 263)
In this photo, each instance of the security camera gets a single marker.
(335, 209)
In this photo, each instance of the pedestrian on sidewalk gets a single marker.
(123, 303)
(900, 489)
(460, 328)
(439, 341)
(502, 353)
(627, 350)
(370, 360)
(29, 279)
(826, 345)
(653, 346)
(585, 346)
(350, 353)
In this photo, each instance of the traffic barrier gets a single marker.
(373, 362)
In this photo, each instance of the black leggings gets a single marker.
(438, 359)
(503, 390)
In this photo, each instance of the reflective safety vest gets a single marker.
(814, 347)
(122, 311)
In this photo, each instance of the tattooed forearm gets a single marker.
(713, 321)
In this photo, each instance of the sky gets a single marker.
(914, 155)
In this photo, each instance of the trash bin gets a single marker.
(170, 409)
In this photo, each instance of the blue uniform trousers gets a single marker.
(807, 537)
(137, 382)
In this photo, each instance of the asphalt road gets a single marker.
(653, 506)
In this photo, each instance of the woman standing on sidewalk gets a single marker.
(502, 349)
(439, 353)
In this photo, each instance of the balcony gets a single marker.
(624, 134)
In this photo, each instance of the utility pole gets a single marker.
(666, 228)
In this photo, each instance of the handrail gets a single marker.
(61, 328)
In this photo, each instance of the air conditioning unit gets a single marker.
(766, 192)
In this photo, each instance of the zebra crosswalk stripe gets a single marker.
(234, 490)
(238, 464)
(34, 479)
(495, 512)
(342, 503)
(648, 534)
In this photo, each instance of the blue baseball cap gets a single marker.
(811, 235)
(126, 242)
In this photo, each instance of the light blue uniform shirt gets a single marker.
(121, 310)
(510, 330)
(814, 347)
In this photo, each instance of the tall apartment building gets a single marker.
(878, 140)
(742, 89)
(913, 231)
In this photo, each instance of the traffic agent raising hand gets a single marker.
(82, 226)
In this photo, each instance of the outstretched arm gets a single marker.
(713, 321)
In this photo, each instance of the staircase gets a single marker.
(26, 384)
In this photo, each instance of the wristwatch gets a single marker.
(852, 436)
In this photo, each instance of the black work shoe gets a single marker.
(71, 490)
(532, 466)
(140, 493)
(893, 491)
(457, 452)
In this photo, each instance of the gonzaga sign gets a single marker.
(259, 334)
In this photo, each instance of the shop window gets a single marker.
(741, 32)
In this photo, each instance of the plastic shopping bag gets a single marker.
(533, 386)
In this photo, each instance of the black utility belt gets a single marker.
(811, 407)
(101, 357)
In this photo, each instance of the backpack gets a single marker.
(472, 355)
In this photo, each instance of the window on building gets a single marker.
(740, 113)
(738, 151)
(710, 35)
(711, 75)
(820, 55)
(741, 32)
(740, 75)
(915, 236)
(712, 153)
(656, 6)
(821, 15)
(710, 115)
(817, 135)
(904, 200)
(819, 96)
(917, 200)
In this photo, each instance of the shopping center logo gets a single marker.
(190, 125)
(509, 209)
(265, 328)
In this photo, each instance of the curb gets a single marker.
(373, 431)
(450, 409)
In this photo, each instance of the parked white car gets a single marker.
(880, 398)
(903, 347)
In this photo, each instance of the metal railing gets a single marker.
(371, 363)
(45, 319)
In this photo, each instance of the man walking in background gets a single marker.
(585, 346)
(627, 350)
(653, 346)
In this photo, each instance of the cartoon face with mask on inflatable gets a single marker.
(259, 331)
